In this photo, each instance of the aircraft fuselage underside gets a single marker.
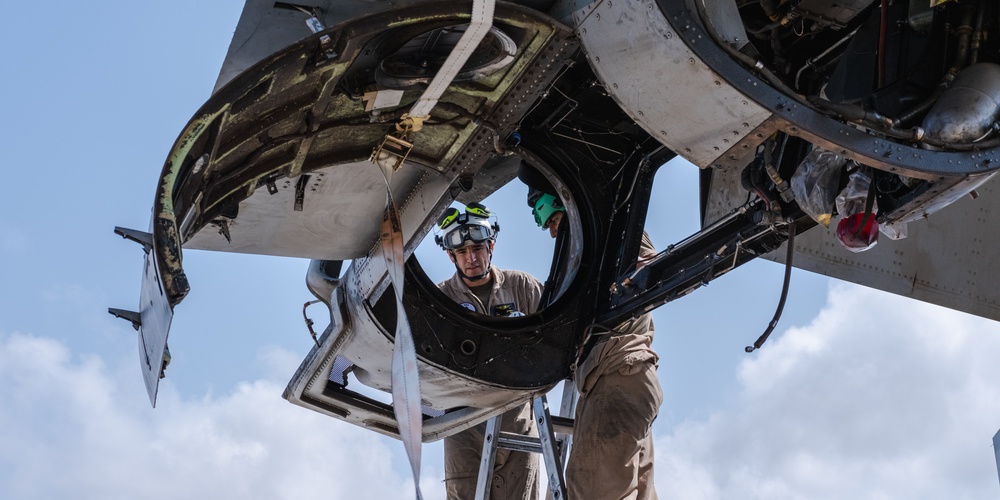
(294, 153)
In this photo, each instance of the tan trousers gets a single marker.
(515, 473)
(612, 454)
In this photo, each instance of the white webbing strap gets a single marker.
(405, 378)
(479, 26)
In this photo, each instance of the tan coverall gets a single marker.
(620, 396)
(515, 474)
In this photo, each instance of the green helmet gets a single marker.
(543, 205)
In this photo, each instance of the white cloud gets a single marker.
(880, 397)
(71, 427)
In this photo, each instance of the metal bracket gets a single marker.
(326, 45)
(314, 22)
(391, 146)
(141, 237)
(131, 316)
(223, 226)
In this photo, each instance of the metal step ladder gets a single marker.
(555, 435)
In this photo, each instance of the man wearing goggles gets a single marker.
(617, 383)
(468, 238)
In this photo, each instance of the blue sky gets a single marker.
(858, 394)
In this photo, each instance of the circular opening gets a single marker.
(467, 347)
(520, 245)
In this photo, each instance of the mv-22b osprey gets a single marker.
(340, 131)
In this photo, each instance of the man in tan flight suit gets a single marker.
(620, 396)
(469, 238)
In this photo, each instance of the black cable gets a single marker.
(784, 293)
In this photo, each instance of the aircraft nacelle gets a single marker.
(306, 133)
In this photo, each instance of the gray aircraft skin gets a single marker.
(323, 107)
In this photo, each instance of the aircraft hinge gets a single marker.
(272, 188)
(131, 316)
(141, 237)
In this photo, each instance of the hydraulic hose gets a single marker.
(784, 293)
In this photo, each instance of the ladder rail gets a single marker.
(553, 442)
(553, 462)
(567, 409)
(490, 443)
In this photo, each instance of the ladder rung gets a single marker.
(532, 444)
(519, 442)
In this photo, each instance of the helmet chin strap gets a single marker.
(476, 277)
(489, 267)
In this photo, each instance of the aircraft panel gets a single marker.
(156, 314)
(267, 26)
(347, 342)
(996, 449)
(343, 199)
(664, 86)
(279, 160)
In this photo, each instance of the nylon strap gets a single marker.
(405, 377)
(479, 26)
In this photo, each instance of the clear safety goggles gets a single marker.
(459, 227)
(476, 233)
